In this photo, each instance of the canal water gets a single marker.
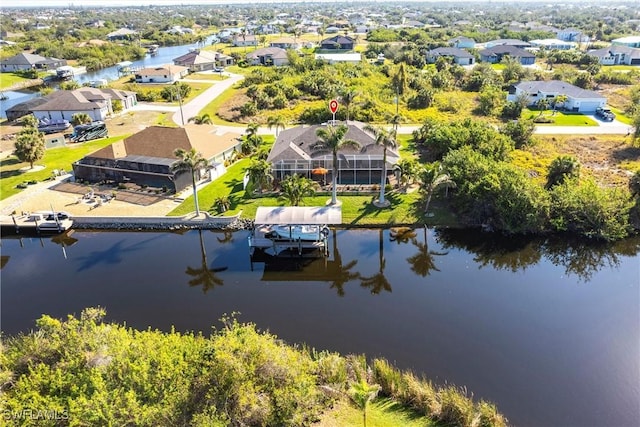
(164, 56)
(549, 331)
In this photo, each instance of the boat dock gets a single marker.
(262, 236)
(34, 223)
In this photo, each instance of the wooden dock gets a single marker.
(27, 224)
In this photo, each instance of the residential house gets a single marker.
(96, 103)
(203, 60)
(295, 152)
(578, 100)
(161, 74)
(338, 42)
(572, 35)
(28, 61)
(244, 40)
(122, 34)
(146, 157)
(508, 42)
(333, 58)
(631, 41)
(495, 54)
(268, 56)
(551, 44)
(457, 56)
(616, 55)
(286, 43)
(462, 42)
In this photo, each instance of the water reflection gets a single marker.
(378, 282)
(64, 240)
(203, 275)
(343, 273)
(113, 254)
(579, 257)
(423, 262)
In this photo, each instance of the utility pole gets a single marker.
(179, 102)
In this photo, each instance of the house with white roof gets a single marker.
(578, 99)
(631, 41)
(161, 74)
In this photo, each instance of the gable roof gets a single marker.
(274, 52)
(24, 58)
(559, 87)
(162, 70)
(200, 57)
(122, 32)
(86, 98)
(338, 39)
(507, 42)
(299, 143)
(615, 49)
(450, 51)
(160, 142)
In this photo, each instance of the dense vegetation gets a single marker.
(87, 372)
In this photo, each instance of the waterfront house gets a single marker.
(578, 100)
(29, 61)
(294, 152)
(96, 103)
(203, 60)
(161, 74)
(244, 40)
(145, 158)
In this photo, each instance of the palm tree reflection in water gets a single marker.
(378, 281)
(343, 274)
(204, 276)
(423, 263)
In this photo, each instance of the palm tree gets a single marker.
(347, 96)
(560, 99)
(203, 119)
(408, 170)
(332, 138)
(80, 119)
(260, 173)
(387, 139)
(422, 263)
(343, 275)
(542, 105)
(320, 33)
(396, 119)
(362, 394)
(29, 145)
(434, 179)
(252, 139)
(190, 161)
(295, 187)
(203, 275)
(378, 281)
(276, 122)
(561, 169)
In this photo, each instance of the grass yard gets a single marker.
(9, 79)
(206, 76)
(54, 158)
(356, 209)
(381, 413)
(560, 118)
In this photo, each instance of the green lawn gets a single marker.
(381, 413)
(356, 209)
(560, 118)
(9, 79)
(206, 76)
(54, 158)
(621, 116)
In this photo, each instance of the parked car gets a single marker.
(605, 114)
(218, 69)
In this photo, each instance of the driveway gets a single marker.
(614, 127)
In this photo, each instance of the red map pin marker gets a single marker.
(333, 106)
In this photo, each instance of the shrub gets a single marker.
(457, 409)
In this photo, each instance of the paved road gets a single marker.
(193, 108)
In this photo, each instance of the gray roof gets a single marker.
(508, 42)
(28, 59)
(505, 49)
(559, 87)
(274, 52)
(298, 144)
(450, 51)
(80, 99)
(615, 49)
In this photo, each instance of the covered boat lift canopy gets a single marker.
(299, 215)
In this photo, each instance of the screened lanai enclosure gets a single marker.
(352, 169)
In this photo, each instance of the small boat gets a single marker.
(53, 126)
(51, 221)
(152, 49)
(299, 232)
(65, 72)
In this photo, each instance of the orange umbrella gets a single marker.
(320, 171)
